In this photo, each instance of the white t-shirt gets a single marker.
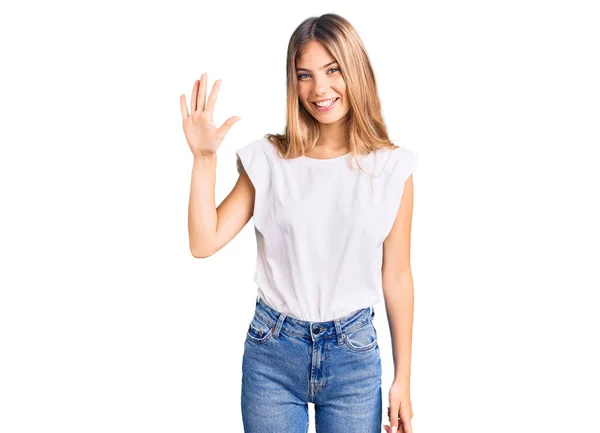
(320, 226)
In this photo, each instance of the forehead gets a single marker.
(314, 53)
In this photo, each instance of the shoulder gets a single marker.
(400, 155)
(253, 146)
(254, 160)
(260, 146)
(391, 162)
(401, 163)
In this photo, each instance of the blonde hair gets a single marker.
(365, 130)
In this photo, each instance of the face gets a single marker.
(320, 79)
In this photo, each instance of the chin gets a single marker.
(332, 119)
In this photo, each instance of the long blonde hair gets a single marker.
(365, 130)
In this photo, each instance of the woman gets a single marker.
(330, 236)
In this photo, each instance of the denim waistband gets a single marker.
(312, 330)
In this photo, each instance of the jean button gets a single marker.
(317, 330)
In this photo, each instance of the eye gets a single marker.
(330, 69)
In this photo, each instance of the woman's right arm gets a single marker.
(211, 228)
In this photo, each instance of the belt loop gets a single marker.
(338, 331)
(278, 325)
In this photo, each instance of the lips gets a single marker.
(334, 100)
(326, 108)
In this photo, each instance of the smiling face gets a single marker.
(320, 79)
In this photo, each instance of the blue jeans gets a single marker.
(288, 363)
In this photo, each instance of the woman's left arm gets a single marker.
(398, 294)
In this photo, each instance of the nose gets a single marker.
(321, 86)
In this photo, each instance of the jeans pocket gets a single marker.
(259, 332)
(361, 339)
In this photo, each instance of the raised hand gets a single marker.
(203, 137)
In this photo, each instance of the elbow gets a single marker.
(201, 253)
(202, 247)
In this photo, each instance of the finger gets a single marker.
(406, 424)
(389, 411)
(394, 414)
(227, 125)
(194, 100)
(202, 92)
(184, 109)
(212, 98)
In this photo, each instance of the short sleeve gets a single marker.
(253, 159)
(402, 164)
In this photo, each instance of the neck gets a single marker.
(331, 137)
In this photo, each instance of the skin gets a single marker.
(398, 293)
(211, 229)
(315, 83)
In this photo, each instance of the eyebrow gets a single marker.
(322, 67)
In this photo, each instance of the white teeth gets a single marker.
(325, 103)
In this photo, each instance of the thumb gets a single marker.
(227, 125)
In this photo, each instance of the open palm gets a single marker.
(202, 135)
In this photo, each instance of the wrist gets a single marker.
(402, 383)
(205, 157)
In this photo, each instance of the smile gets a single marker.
(328, 105)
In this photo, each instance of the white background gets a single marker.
(107, 322)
